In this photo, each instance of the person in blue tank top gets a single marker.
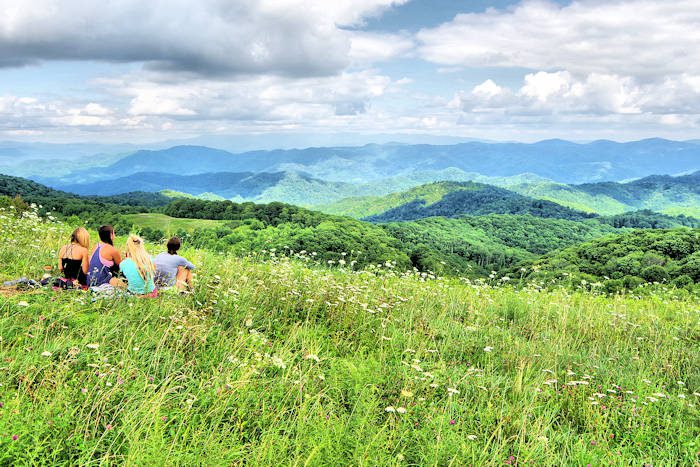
(138, 268)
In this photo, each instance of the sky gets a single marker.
(133, 71)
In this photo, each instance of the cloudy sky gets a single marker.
(134, 71)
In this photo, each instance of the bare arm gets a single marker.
(116, 256)
(86, 260)
(60, 258)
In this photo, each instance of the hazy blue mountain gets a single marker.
(558, 160)
(226, 184)
(43, 159)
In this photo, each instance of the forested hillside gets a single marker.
(449, 199)
(662, 193)
(477, 245)
(628, 260)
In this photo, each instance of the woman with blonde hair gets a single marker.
(138, 268)
(73, 259)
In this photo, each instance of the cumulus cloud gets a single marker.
(256, 98)
(287, 37)
(642, 38)
(561, 93)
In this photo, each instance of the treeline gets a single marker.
(269, 214)
(91, 210)
(647, 219)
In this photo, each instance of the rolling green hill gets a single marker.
(450, 199)
(665, 194)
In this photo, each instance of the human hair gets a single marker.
(173, 245)
(105, 234)
(138, 254)
(81, 237)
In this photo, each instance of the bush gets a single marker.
(613, 286)
(683, 281)
(654, 274)
(632, 282)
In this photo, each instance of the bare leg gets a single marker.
(183, 279)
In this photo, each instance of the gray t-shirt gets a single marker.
(166, 268)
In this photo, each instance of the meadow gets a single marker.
(282, 360)
(170, 225)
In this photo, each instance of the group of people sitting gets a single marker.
(136, 270)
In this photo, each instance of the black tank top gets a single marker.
(73, 268)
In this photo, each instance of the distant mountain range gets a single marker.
(290, 187)
(557, 160)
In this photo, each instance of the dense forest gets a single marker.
(627, 260)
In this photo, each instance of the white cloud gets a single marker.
(367, 47)
(258, 98)
(545, 93)
(641, 38)
(207, 37)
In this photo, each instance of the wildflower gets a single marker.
(390, 409)
(15, 437)
(46, 353)
(401, 410)
(93, 346)
(22, 303)
(313, 357)
(471, 437)
(452, 421)
(109, 426)
(278, 362)
(451, 391)
(164, 418)
(488, 349)
(405, 393)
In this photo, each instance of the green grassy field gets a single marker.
(270, 361)
(168, 224)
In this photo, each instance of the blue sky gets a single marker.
(129, 71)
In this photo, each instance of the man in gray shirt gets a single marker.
(173, 269)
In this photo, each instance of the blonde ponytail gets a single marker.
(138, 254)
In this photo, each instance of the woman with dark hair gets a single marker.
(173, 269)
(73, 259)
(104, 261)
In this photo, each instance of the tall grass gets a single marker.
(275, 362)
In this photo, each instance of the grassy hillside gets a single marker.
(170, 225)
(280, 363)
